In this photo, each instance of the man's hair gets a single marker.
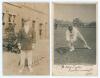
(70, 28)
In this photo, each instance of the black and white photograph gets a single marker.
(74, 39)
(25, 38)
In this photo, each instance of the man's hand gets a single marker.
(86, 46)
(19, 45)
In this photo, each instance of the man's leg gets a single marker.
(29, 57)
(71, 46)
(22, 60)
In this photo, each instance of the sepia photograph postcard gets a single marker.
(74, 28)
(25, 38)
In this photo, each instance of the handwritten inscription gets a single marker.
(77, 68)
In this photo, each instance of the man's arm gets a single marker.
(19, 40)
(83, 39)
(67, 34)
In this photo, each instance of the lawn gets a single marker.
(81, 55)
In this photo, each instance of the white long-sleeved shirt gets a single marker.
(74, 35)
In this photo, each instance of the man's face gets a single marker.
(70, 28)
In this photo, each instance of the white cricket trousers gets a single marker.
(26, 55)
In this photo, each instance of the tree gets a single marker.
(11, 36)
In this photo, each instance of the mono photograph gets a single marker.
(74, 39)
(25, 38)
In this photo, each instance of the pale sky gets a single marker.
(86, 12)
(43, 7)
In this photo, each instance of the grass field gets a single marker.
(81, 55)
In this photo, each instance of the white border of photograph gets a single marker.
(59, 67)
(1, 60)
(58, 70)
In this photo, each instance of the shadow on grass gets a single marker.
(63, 50)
